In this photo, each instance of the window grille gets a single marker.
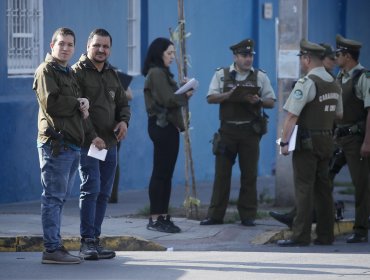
(25, 28)
(133, 40)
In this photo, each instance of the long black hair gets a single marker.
(154, 56)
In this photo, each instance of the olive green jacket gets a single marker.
(159, 94)
(57, 92)
(108, 101)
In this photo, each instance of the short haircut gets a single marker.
(64, 31)
(100, 32)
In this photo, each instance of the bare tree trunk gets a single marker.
(190, 199)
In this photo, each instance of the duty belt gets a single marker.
(236, 123)
(348, 130)
(327, 132)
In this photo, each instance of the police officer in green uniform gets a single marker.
(353, 130)
(242, 92)
(337, 161)
(313, 105)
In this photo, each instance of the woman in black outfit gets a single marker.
(165, 121)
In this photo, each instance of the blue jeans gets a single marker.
(57, 178)
(96, 187)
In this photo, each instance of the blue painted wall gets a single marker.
(214, 26)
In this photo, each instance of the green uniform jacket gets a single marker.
(57, 92)
(108, 101)
(159, 94)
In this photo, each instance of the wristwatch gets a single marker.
(282, 144)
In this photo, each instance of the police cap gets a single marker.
(308, 47)
(344, 44)
(329, 51)
(244, 47)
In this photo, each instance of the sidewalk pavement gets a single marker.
(124, 230)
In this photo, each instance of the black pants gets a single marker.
(166, 148)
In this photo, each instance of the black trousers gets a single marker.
(166, 148)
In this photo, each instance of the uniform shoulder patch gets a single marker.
(302, 80)
(298, 94)
(367, 74)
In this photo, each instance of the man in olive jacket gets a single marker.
(109, 115)
(60, 134)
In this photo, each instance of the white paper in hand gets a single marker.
(96, 153)
(292, 140)
(191, 84)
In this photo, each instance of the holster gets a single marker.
(56, 142)
(220, 148)
(259, 124)
(337, 161)
(304, 140)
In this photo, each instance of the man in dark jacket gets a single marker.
(109, 116)
(60, 135)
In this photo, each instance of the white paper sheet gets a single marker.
(191, 84)
(96, 153)
(292, 140)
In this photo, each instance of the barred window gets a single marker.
(133, 33)
(25, 28)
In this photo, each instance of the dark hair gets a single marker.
(354, 54)
(154, 56)
(100, 32)
(64, 31)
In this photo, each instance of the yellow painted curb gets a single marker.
(118, 243)
(340, 228)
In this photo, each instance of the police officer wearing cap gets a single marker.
(242, 93)
(329, 58)
(313, 105)
(329, 64)
(353, 132)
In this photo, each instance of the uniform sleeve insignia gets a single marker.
(367, 74)
(298, 94)
(302, 80)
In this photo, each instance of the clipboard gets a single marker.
(240, 92)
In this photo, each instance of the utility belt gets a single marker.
(257, 125)
(355, 129)
(237, 124)
(327, 132)
(304, 137)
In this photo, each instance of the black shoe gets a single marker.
(88, 249)
(357, 238)
(290, 243)
(174, 227)
(210, 222)
(323, 243)
(162, 225)
(248, 222)
(103, 253)
(282, 218)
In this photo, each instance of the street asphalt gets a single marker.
(208, 247)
